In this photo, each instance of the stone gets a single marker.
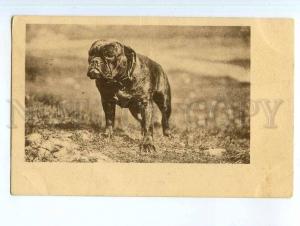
(33, 139)
(216, 152)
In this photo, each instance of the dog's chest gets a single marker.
(126, 97)
(138, 90)
(123, 98)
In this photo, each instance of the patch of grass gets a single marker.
(50, 114)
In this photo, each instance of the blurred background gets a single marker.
(196, 59)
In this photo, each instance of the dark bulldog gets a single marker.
(131, 81)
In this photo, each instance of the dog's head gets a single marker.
(108, 59)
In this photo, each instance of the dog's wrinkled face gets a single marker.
(106, 60)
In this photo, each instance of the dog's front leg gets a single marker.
(109, 108)
(147, 127)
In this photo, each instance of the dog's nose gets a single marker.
(93, 73)
(89, 74)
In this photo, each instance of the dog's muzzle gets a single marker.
(94, 73)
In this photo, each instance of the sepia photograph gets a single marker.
(150, 106)
(125, 109)
(142, 93)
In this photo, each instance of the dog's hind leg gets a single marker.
(163, 101)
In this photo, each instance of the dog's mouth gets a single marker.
(94, 73)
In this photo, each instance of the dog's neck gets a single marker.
(125, 80)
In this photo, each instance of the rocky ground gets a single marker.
(83, 145)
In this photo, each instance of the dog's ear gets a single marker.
(131, 60)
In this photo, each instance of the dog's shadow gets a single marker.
(119, 133)
(125, 136)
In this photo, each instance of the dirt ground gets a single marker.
(90, 146)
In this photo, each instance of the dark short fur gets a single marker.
(132, 81)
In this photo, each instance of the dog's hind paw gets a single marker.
(167, 133)
(108, 133)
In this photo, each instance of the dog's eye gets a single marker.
(108, 55)
(110, 58)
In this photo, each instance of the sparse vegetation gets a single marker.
(53, 127)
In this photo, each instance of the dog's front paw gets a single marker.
(167, 132)
(108, 133)
(147, 145)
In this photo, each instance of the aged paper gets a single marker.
(152, 106)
